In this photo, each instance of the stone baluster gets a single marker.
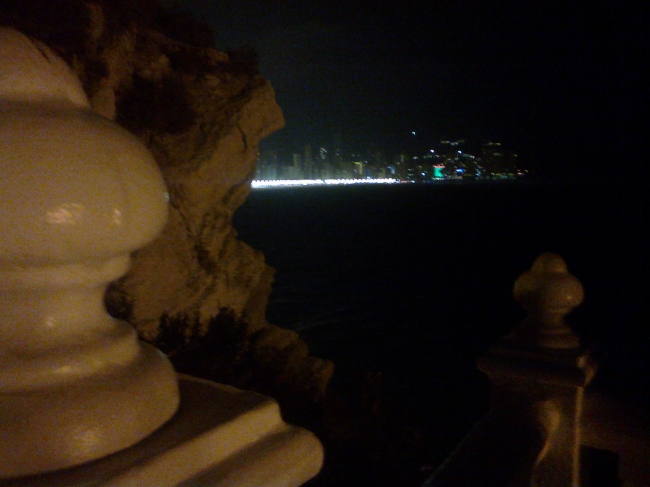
(82, 401)
(540, 369)
(78, 194)
(531, 435)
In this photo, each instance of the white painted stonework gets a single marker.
(78, 194)
(220, 437)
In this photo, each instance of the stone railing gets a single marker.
(82, 401)
(541, 418)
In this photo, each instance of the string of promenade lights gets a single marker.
(283, 183)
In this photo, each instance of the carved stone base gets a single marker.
(221, 436)
(67, 424)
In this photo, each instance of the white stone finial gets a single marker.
(31, 70)
(78, 195)
(548, 292)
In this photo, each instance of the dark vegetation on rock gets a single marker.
(370, 430)
(174, 115)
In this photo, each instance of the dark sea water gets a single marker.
(417, 279)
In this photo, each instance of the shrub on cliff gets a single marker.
(159, 106)
(270, 361)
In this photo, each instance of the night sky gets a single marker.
(553, 80)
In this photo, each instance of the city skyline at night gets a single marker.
(445, 160)
(553, 79)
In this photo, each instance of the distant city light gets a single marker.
(284, 183)
(356, 167)
(413, 133)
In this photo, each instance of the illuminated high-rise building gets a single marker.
(493, 158)
(337, 149)
(295, 170)
(267, 165)
(308, 165)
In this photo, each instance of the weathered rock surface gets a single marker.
(198, 266)
(202, 114)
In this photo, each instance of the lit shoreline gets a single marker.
(293, 183)
(284, 183)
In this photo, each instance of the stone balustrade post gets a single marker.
(540, 369)
(78, 195)
(82, 401)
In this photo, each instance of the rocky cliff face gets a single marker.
(202, 114)
(203, 129)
